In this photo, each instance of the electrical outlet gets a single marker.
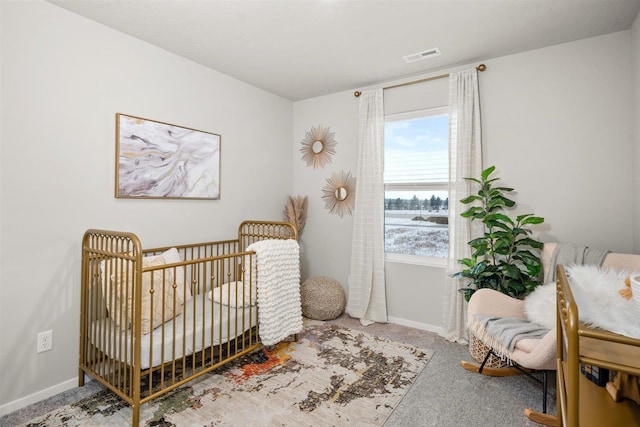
(45, 341)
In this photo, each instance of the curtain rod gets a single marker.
(480, 68)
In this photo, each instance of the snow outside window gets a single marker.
(416, 177)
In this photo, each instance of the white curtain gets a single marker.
(367, 299)
(465, 160)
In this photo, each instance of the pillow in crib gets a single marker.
(596, 292)
(157, 306)
(172, 256)
(169, 256)
(234, 294)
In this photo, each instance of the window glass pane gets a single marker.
(416, 223)
(416, 175)
(417, 150)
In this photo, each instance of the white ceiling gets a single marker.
(300, 49)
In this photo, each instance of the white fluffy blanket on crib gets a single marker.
(278, 284)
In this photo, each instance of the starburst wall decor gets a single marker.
(318, 145)
(339, 193)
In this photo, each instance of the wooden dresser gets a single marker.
(581, 402)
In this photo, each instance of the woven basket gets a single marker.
(479, 351)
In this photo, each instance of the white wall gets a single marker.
(557, 123)
(635, 57)
(326, 239)
(63, 80)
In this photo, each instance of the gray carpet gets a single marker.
(443, 395)
(446, 395)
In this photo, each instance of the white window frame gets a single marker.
(408, 186)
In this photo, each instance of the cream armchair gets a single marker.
(530, 353)
(537, 355)
(533, 353)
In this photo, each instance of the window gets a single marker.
(416, 178)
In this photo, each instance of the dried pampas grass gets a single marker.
(295, 211)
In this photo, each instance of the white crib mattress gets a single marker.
(192, 334)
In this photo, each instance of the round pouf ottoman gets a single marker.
(322, 298)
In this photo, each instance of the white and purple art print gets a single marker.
(159, 160)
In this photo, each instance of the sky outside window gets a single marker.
(416, 150)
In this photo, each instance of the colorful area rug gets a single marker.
(331, 376)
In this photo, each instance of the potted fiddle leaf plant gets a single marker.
(505, 258)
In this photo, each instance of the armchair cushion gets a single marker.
(494, 303)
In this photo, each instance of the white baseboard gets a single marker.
(38, 396)
(417, 325)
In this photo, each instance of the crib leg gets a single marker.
(295, 337)
(135, 422)
(80, 378)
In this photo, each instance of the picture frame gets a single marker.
(157, 160)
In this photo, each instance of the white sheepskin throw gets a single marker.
(600, 304)
(596, 292)
(540, 305)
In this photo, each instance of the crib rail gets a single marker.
(198, 334)
(252, 231)
(119, 252)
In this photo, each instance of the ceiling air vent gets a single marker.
(421, 55)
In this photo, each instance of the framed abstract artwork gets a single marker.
(156, 160)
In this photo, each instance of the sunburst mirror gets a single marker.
(318, 146)
(339, 193)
